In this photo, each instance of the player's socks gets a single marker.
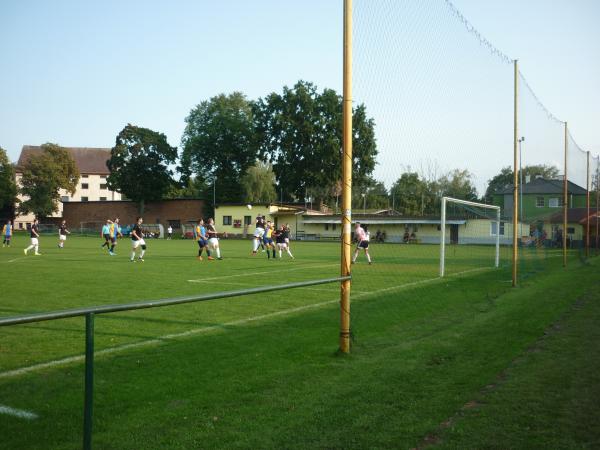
(289, 253)
(218, 250)
(142, 254)
(132, 256)
(274, 255)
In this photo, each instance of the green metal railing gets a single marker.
(91, 312)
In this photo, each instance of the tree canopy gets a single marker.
(43, 177)
(258, 183)
(219, 144)
(139, 164)
(300, 132)
(8, 187)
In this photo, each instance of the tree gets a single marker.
(44, 175)
(410, 194)
(218, 144)
(300, 132)
(371, 194)
(8, 187)
(139, 165)
(258, 183)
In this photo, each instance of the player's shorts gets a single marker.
(62, 237)
(34, 241)
(282, 245)
(202, 243)
(287, 241)
(107, 237)
(113, 239)
(259, 232)
(136, 244)
(268, 241)
(363, 244)
(213, 242)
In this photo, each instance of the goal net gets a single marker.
(471, 235)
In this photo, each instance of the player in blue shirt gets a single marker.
(7, 233)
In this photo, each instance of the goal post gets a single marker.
(443, 221)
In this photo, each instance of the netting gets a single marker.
(93, 228)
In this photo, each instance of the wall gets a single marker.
(184, 210)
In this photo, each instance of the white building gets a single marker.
(91, 163)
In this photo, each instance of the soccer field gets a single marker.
(155, 368)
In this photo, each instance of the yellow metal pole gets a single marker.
(566, 199)
(346, 182)
(515, 253)
(587, 202)
(597, 204)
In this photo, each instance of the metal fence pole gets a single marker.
(89, 381)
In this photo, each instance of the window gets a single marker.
(493, 226)
(64, 198)
(103, 186)
(84, 199)
(539, 202)
(84, 176)
(326, 226)
(570, 230)
(102, 199)
(247, 220)
(84, 185)
(333, 227)
(554, 202)
(175, 223)
(103, 177)
(226, 220)
(20, 225)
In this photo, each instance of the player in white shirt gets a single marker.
(362, 239)
(213, 240)
(259, 232)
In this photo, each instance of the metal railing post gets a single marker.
(89, 381)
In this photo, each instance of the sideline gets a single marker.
(20, 413)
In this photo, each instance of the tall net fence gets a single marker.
(442, 98)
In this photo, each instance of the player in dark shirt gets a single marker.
(281, 243)
(62, 234)
(137, 240)
(34, 233)
(213, 240)
(258, 234)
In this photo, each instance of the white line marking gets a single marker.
(16, 259)
(161, 339)
(250, 274)
(22, 414)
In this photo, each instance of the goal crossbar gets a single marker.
(445, 200)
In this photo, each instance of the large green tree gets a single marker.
(410, 195)
(139, 165)
(300, 132)
(218, 144)
(369, 195)
(258, 183)
(8, 187)
(44, 175)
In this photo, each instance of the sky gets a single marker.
(75, 73)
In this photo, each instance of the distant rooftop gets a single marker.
(543, 186)
(89, 160)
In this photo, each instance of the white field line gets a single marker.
(17, 259)
(161, 339)
(250, 274)
(20, 413)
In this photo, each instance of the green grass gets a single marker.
(261, 371)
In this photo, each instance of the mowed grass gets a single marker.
(261, 371)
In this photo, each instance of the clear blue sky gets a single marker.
(76, 72)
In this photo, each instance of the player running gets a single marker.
(114, 233)
(268, 240)
(106, 234)
(258, 233)
(34, 233)
(281, 244)
(137, 240)
(7, 231)
(362, 240)
(62, 234)
(213, 240)
(202, 239)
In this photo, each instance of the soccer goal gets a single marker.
(475, 228)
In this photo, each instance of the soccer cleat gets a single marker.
(200, 258)
(25, 250)
(132, 260)
(370, 263)
(37, 254)
(140, 259)
(111, 253)
(210, 258)
(219, 258)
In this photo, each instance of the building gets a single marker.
(305, 224)
(540, 198)
(91, 163)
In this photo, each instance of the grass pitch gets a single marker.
(261, 371)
